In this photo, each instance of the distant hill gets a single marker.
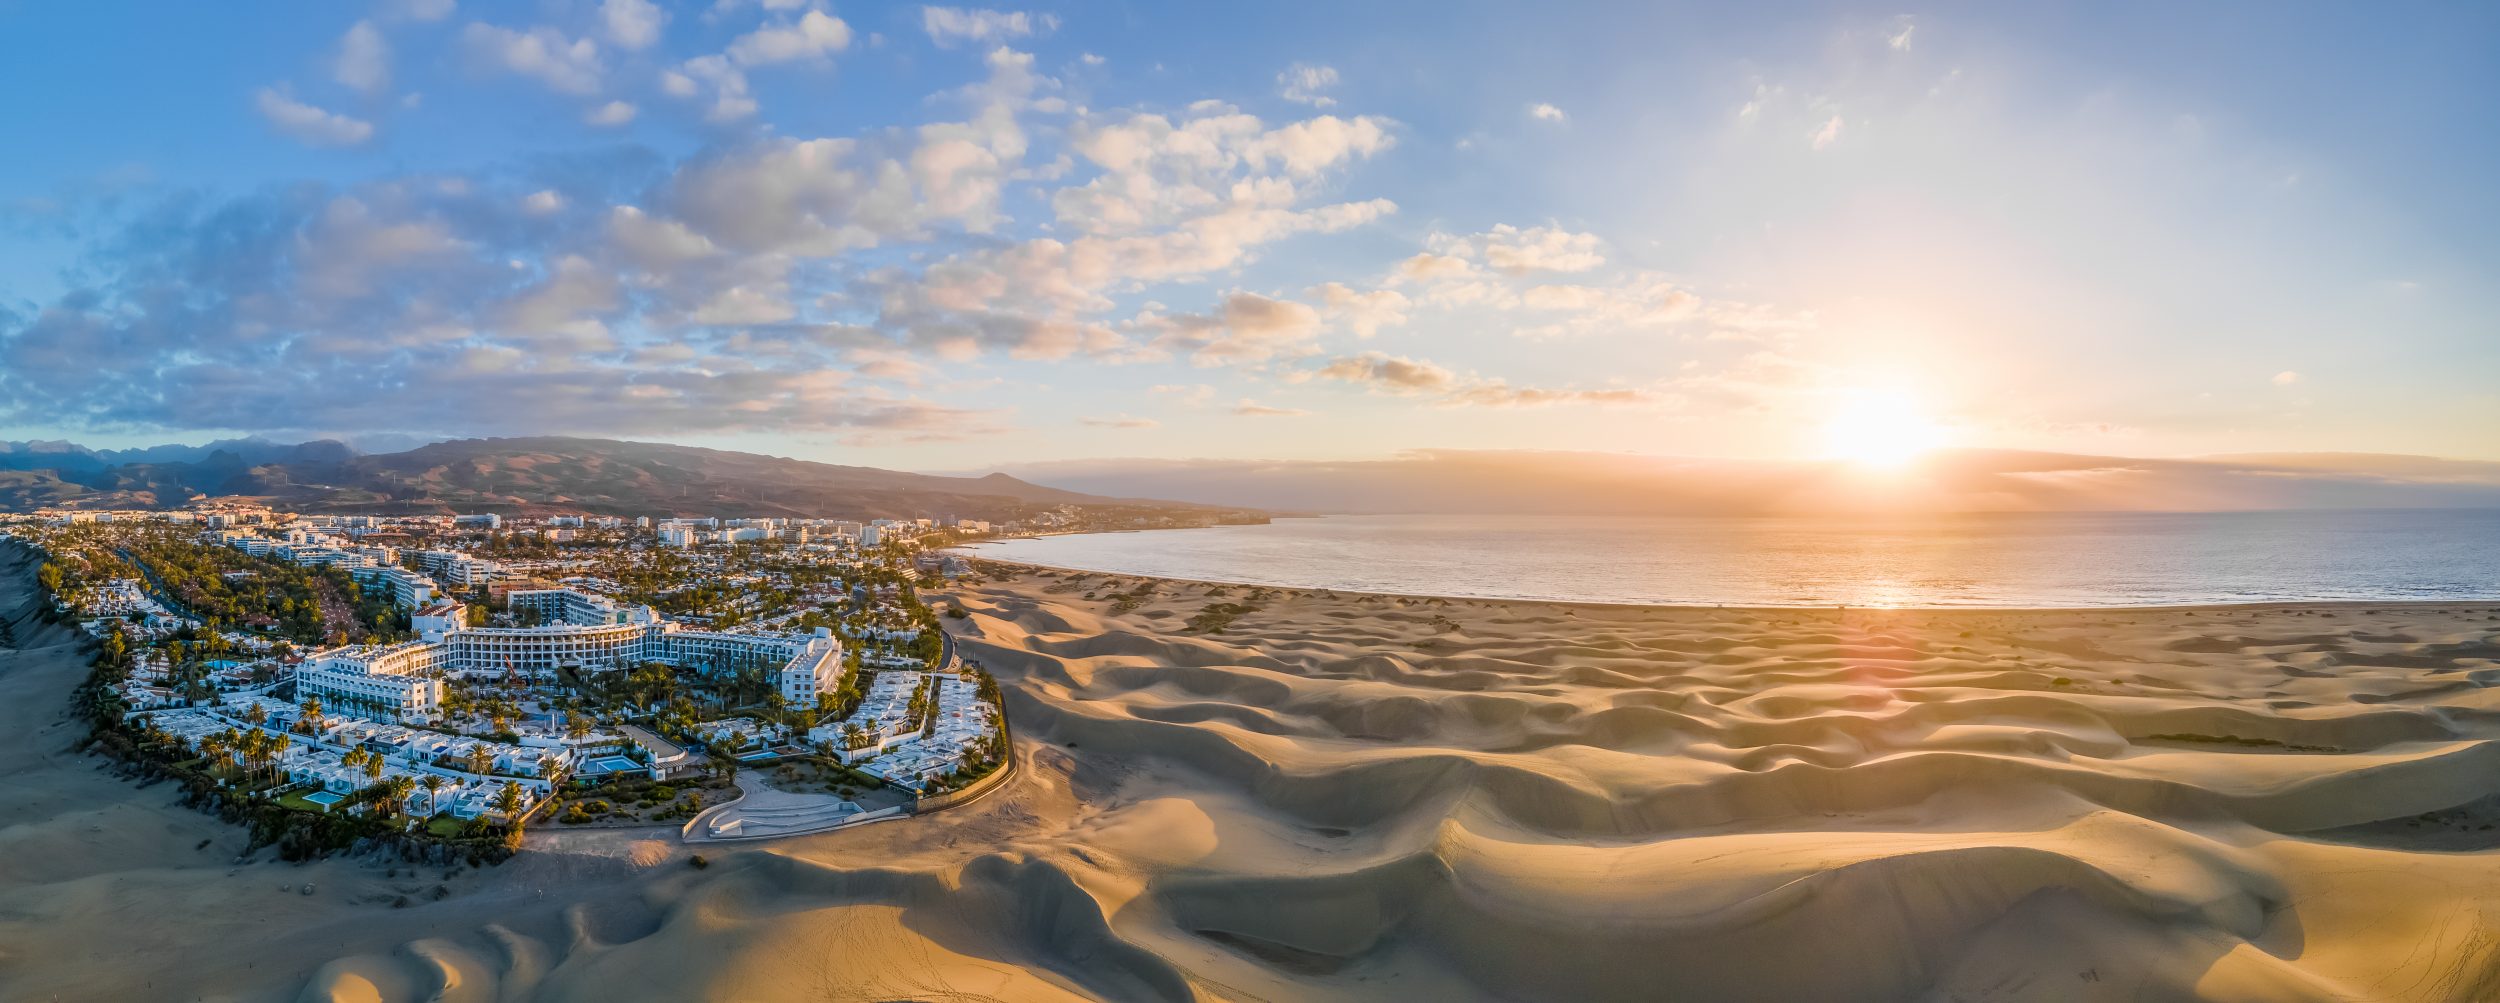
(516, 476)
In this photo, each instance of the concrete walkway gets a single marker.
(764, 812)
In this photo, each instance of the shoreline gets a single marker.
(2424, 605)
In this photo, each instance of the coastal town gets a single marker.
(453, 679)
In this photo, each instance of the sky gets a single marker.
(957, 237)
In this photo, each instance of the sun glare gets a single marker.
(1879, 428)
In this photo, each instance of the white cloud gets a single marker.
(309, 124)
(1306, 83)
(1090, 59)
(1828, 134)
(611, 113)
(1430, 267)
(814, 35)
(2286, 378)
(1247, 327)
(1514, 250)
(364, 59)
(1190, 394)
(1498, 393)
(1544, 112)
(1900, 40)
(950, 25)
(632, 24)
(1389, 373)
(1121, 420)
(730, 98)
(1364, 313)
(1157, 172)
(1253, 409)
(567, 65)
(542, 203)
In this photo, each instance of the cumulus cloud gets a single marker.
(312, 125)
(632, 24)
(364, 58)
(542, 53)
(1364, 313)
(613, 113)
(1544, 112)
(2286, 378)
(1388, 373)
(1430, 267)
(949, 26)
(1156, 171)
(731, 100)
(1246, 327)
(1512, 250)
(1307, 84)
(771, 282)
(814, 35)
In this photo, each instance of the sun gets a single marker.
(1879, 428)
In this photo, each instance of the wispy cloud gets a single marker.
(1307, 84)
(312, 125)
(949, 26)
(1252, 409)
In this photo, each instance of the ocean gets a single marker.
(2025, 560)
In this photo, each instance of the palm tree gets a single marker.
(373, 767)
(480, 760)
(255, 714)
(312, 715)
(395, 792)
(508, 801)
(433, 794)
(252, 745)
(278, 746)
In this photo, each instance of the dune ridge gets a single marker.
(1343, 796)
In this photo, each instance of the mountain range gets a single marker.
(512, 476)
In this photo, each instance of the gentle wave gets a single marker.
(2044, 560)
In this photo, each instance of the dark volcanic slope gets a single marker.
(542, 474)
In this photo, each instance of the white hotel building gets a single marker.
(582, 630)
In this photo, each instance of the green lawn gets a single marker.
(295, 799)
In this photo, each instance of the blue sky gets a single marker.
(948, 237)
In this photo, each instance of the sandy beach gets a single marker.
(1393, 798)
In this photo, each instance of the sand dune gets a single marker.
(1383, 798)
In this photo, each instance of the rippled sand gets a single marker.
(1362, 797)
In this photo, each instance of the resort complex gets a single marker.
(455, 677)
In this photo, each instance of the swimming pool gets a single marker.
(610, 764)
(325, 798)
